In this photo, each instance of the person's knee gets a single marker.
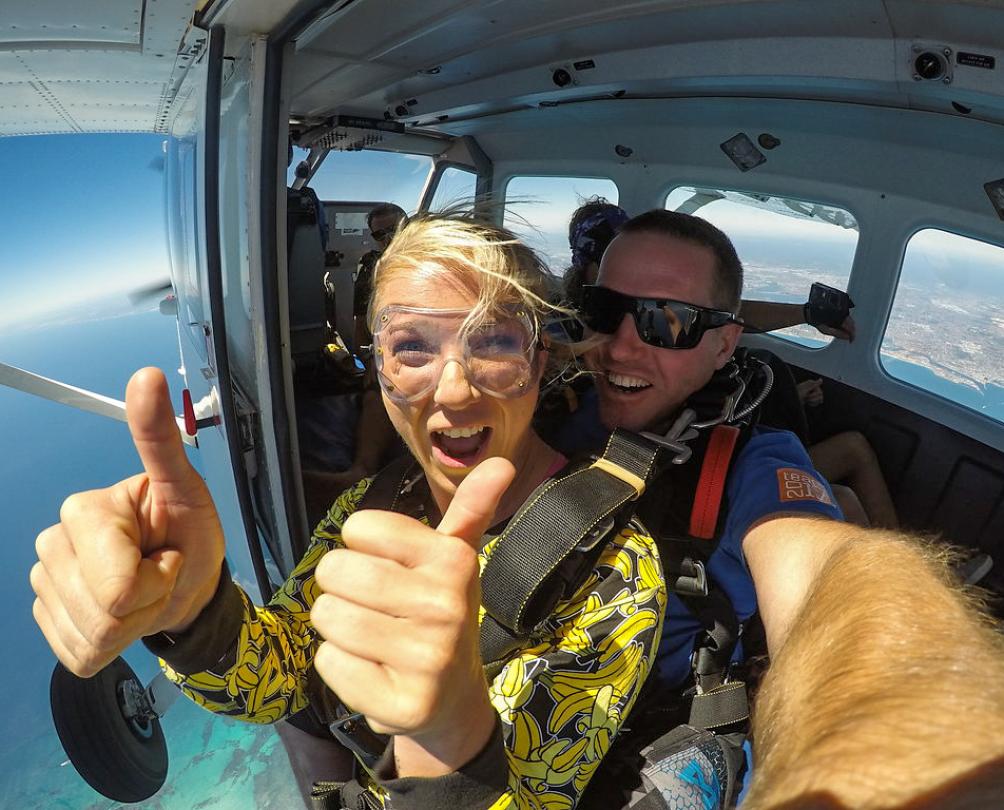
(850, 505)
(857, 447)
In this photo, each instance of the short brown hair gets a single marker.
(728, 269)
(383, 210)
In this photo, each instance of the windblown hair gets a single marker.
(481, 259)
(728, 269)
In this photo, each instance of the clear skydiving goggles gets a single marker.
(661, 322)
(413, 345)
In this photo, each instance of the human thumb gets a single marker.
(155, 433)
(473, 507)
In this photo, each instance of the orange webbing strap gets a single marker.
(711, 484)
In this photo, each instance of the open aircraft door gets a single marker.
(225, 205)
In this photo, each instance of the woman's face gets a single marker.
(453, 426)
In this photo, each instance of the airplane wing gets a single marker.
(79, 398)
(763, 202)
(95, 67)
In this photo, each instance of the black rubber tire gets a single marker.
(112, 756)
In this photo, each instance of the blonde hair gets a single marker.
(482, 259)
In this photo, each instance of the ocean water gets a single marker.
(48, 451)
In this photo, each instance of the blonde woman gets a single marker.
(384, 606)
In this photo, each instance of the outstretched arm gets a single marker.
(887, 686)
(767, 316)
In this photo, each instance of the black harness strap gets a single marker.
(717, 703)
(556, 536)
(390, 489)
(544, 553)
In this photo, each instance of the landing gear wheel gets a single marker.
(109, 732)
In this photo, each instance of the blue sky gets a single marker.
(80, 221)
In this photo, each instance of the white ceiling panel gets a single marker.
(435, 61)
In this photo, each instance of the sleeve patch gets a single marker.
(798, 485)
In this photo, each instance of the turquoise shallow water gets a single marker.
(46, 452)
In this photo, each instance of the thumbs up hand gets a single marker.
(141, 556)
(398, 614)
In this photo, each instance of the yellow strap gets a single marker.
(626, 476)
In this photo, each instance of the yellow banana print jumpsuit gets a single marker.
(560, 700)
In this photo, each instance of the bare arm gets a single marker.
(889, 685)
(770, 315)
(767, 316)
(785, 555)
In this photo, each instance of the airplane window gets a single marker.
(537, 210)
(375, 176)
(455, 185)
(785, 245)
(945, 333)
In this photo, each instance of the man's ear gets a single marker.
(729, 338)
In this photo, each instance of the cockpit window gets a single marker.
(456, 186)
(371, 175)
(945, 333)
(785, 245)
(537, 209)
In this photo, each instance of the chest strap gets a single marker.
(551, 543)
(711, 484)
(544, 554)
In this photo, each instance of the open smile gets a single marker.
(625, 383)
(460, 446)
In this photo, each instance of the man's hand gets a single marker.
(846, 331)
(399, 615)
(141, 556)
(810, 392)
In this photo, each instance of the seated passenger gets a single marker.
(592, 227)
(383, 222)
(769, 547)
(848, 457)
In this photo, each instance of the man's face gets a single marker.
(640, 386)
(382, 228)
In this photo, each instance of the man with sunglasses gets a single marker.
(666, 299)
(851, 615)
(383, 221)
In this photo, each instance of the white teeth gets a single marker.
(461, 432)
(623, 381)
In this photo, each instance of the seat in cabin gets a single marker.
(783, 407)
(306, 245)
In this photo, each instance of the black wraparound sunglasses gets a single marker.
(661, 322)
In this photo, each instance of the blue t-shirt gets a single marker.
(771, 474)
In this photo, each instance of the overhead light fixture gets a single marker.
(743, 152)
(995, 191)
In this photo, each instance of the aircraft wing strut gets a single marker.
(79, 398)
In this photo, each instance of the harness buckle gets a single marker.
(676, 438)
(353, 732)
(692, 579)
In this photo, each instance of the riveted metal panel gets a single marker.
(115, 22)
(103, 66)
